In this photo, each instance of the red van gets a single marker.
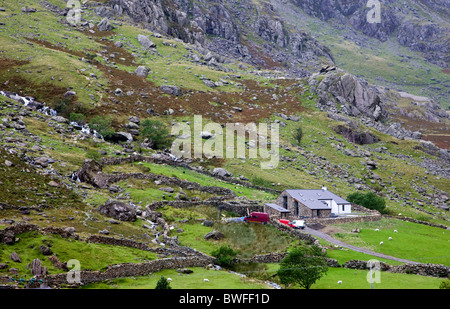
(257, 217)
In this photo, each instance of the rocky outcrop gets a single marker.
(356, 136)
(421, 30)
(429, 38)
(224, 27)
(91, 173)
(339, 91)
(118, 210)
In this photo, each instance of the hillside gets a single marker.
(81, 180)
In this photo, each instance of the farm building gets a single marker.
(307, 203)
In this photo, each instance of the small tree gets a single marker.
(298, 135)
(103, 125)
(224, 256)
(445, 284)
(163, 284)
(156, 132)
(304, 266)
(78, 118)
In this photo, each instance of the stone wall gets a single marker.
(432, 270)
(239, 207)
(129, 270)
(336, 220)
(418, 221)
(172, 181)
(165, 159)
(7, 235)
(309, 239)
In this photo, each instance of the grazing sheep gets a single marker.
(169, 279)
(395, 231)
(390, 238)
(381, 242)
(376, 230)
(205, 280)
(339, 282)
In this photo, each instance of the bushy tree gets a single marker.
(303, 266)
(445, 284)
(369, 200)
(163, 284)
(224, 256)
(298, 135)
(78, 118)
(156, 132)
(103, 125)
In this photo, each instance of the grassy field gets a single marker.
(217, 280)
(415, 242)
(357, 279)
(246, 239)
(91, 256)
(351, 279)
(205, 180)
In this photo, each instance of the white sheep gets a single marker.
(395, 231)
(390, 238)
(169, 279)
(376, 230)
(205, 280)
(381, 242)
(339, 282)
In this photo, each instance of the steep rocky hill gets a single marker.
(370, 99)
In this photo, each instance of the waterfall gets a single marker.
(40, 107)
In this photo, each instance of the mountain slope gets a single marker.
(230, 62)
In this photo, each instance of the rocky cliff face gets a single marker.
(249, 31)
(342, 92)
(420, 25)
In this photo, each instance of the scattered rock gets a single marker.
(53, 184)
(118, 210)
(222, 172)
(173, 90)
(146, 42)
(45, 250)
(214, 235)
(15, 257)
(142, 71)
(104, 25)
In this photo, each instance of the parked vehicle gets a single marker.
(296, 224)
(257, 217)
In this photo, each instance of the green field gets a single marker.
(217, 280)
(91, 256)
(223, 280)
(415, 242)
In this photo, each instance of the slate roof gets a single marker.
(314, 199)
(277, 207)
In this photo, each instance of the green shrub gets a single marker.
(369, 200)
(156, 132)
(163, 284)
(78, 118)
(93, 154)
(298, 135)
(225, 256)
(445, 284)
(103, 125)
(261, 182)
(62, 107)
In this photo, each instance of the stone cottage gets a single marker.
(315, 203)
